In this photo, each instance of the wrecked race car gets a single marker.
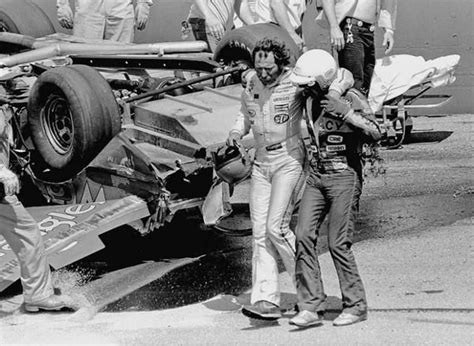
(99, 135)
(99, 142)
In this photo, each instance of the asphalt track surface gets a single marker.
(427, 185)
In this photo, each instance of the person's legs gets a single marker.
(352, 57)
(264, 266)
(89, 26)
(23, 236)
(119, 29)
(310, 292)
(369, 58)
(287, 182)
(344, 192)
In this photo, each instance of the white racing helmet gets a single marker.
(314, 66)
(232, 164)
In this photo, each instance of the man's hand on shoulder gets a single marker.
(10, 181)
(337, 107)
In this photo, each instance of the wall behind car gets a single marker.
(428, 28)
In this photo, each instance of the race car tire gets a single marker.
(111, 113)
(237, 45)
(24, 17)
(72, 115)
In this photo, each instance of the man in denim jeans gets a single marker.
(333, 187)
(104, 19)
(352, 26)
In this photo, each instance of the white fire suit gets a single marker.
(104, 19)
(22, 234)
(274, 114)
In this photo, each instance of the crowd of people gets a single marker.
(276, 98)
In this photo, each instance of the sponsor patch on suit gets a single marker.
(333, 148)
(281, 118)
(334, 139)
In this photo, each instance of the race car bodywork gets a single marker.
(71, 232)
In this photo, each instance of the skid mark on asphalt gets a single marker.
(114, 285)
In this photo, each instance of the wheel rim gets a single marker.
(58, 123)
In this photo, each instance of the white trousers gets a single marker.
(275, 186)
(22, 234)
(105, 20)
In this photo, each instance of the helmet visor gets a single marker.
(300, 80)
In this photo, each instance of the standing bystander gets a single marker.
(286, 13)
(272, 107)
(210, 19)
(22, 234)
(352, 25)
(104, 19)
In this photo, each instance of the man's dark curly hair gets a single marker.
(277, 47)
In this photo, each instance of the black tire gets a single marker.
(72, 115)
(110, 110)
(24, 17)
(237, 45)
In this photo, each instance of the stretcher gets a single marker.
(401, 80)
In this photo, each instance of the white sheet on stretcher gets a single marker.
(394, 75)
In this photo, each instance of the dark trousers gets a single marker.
(358, 56)
(337, 196)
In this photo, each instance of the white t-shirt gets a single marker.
(263, 13)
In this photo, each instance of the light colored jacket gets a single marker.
(386, 12)
(273, 113)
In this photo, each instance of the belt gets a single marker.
(288, 142)
(358, 22)
(275, 146)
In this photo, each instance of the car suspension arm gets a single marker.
(185, 83)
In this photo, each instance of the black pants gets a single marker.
(358, 56)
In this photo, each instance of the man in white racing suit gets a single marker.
(272, 107)
(104, 19)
